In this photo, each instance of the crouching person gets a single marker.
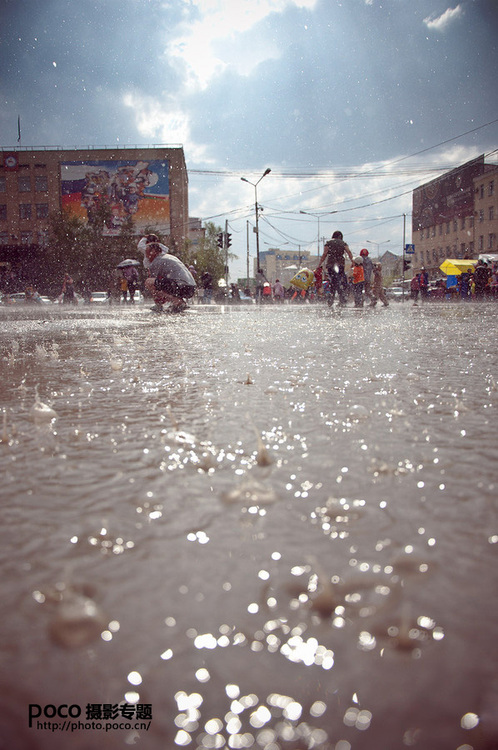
(169, 280)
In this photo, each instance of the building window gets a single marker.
(3, 185)
(455, 225)
(491, 241)
(462, 223)
(491, 213)
(471, 222)
(491, 188)
(448, 227)
(25, 210)
(24, 183)
(440, 229)
(43, 238)
(42, 210)
(41, 184)
(481, 191)
(3, 212)
(4, 238)
(462, 249)
(433, 231)
(480, 243)
(481, 215)
(26, 238)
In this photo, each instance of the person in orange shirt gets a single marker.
(358, 281)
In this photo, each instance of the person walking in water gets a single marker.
(333, 255)
(367, 270)
(377, 291)
(358, 281)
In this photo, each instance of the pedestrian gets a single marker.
(318, 273)
(68, 297)
(266, 297)
(333, 254)
(169, 280)
(358, 281)
(142, 245)
(367, 270)
(464, 284)
(278, 291)
(207, 285)
(481, 279)
(131, 277)
(123, 287)
(234, 293)
(423, 282)
(260, 283)
(415, 288)
(377, 290)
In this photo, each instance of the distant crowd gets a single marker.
(361, 283)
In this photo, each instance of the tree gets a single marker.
(82, 250)
(209, 257)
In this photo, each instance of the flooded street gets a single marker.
(275, 527)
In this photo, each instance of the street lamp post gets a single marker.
(256, 208)
(378, 246)
(317, 216)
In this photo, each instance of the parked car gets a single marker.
(20, 298)
(396, 293)
(246, 299)
(99, 298)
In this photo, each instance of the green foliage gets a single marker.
(208, 256)
(78, 248)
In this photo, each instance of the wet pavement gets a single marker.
(254, 527)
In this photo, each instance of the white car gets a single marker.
(396, 293)
(99, 298)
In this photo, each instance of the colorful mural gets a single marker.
(137, 189)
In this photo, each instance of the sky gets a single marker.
(351, 104)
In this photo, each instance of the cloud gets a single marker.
(204, 47)
(440, 23)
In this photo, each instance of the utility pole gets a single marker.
(404, 239)
(247, 241)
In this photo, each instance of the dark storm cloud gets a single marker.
(66, 65)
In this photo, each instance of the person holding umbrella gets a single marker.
(130, 274)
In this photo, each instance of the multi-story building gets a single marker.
(486, 212)
(283, 264)
(148, 185)
(456, 215)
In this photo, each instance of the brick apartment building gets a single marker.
(150, 185)
(456, 216)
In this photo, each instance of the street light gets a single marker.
(317, 216)
(255, 186)
(378, 246)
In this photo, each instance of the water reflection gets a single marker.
(252, 533)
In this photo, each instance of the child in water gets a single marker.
(358, 281)
(377, 288)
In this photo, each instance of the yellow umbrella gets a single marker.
(456, 266)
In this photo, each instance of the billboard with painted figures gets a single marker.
(131, 188)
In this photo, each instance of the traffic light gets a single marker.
(229, 240)
(406, 265)
(220, 240)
